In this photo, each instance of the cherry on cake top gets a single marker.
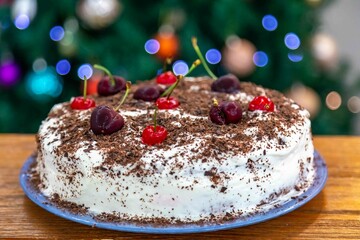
(82, 102)
(109, 84)
(166, 78)
(106, 120)
(228, 83)
(262, 103)
(154, 134)
(151, 135)
(225, 112)
(167, 103)
(148, 93)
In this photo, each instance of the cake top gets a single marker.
(190, 131)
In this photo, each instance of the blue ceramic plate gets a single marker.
(42, 201)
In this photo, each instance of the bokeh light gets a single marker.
(180, 67)
(152, 46)
(260, 59)
(85, 70)
(333, 100)
(169, 44)
(269, 22)
(159, 71)
(238, 56)
(63, 67)
(292, 41)
(9, 73)
(353, 104)
(306, 97)
(22, 21)
(44, 83)
(325, 51)
(295, 57)
(71, 25)
(213, 56)
(39, 65)
(57, 33)
(67, 46)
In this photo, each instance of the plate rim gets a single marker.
(39, 199)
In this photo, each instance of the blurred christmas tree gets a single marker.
(46, 45)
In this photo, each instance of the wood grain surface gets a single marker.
(333, 214)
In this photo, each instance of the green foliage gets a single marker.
(119, 47)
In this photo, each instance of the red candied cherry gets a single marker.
(109, 85)
(148, 93)
(228, 84)
(105, 120)
(225, 113)
(261, 103)
(166, 78)
(167, 103)
(154, 134)
(82, 102)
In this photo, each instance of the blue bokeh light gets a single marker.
(22, 21)
(292, 41)
(44, 83)
(213, 56)
(295, 57)
(180, 67)
(159, 71)
(63, 67)
(269, 22)
(57, 33)
(85, 70)
(152, 46)
(260, 59)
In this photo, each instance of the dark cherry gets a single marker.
(228, 84)
(166, 78)
(261, 103)
(150, 136)
(105, 88)
(167, 103)
(81, 103)
(104, 120)
(148, 93)
(225, 113)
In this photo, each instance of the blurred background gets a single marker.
(305, 48)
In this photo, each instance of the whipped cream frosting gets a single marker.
(201, 172)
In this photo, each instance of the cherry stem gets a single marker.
(128, 85)
(196, 63)
(198, 52)
(215, 102)
(155, 117)
(169, 91)
(107, 72)
(85, 87)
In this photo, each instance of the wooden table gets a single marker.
(333, 214)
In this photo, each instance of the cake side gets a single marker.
(201, 170)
